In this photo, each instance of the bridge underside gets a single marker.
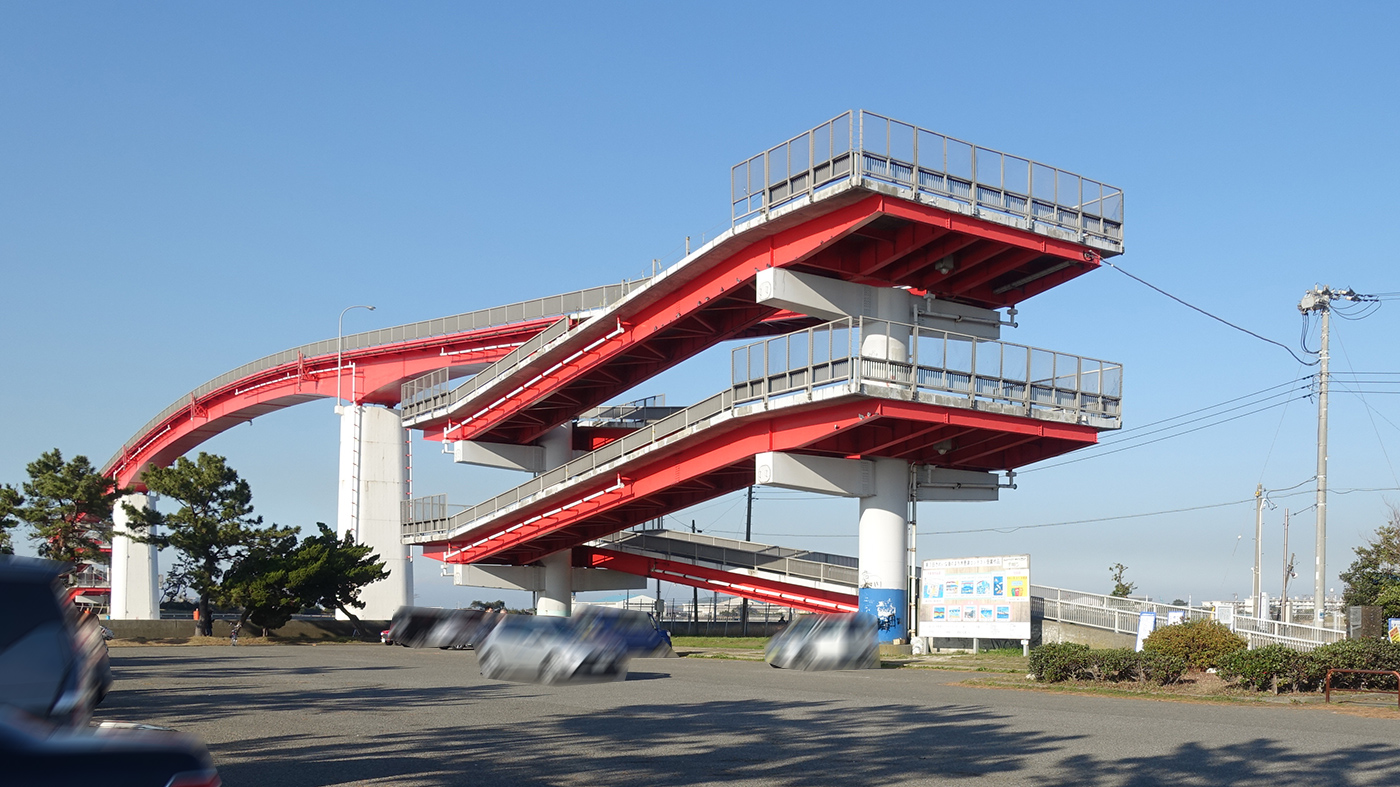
(856, 235)
(720, 459)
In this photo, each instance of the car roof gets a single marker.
(17, 568)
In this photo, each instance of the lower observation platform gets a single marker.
(957, 402)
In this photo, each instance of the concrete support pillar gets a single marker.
(558, 596)
(373, 463)
(135, 584)
(884, 545)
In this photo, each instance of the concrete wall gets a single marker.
(1060, 631)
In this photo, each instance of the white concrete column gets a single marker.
(135, 586)
(373, 462)
(558, 596)
(883, 550)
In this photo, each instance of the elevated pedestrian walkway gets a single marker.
(849, 200)
(1008, 406)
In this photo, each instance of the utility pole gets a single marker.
(748, 536)
(1319, 299)
(1258, 590)
(696, 590)
(1283, 615)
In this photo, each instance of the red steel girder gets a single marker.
(720, 459)
(754, 588)
(711, 301)
(375, 376)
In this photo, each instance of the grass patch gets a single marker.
(737, 643)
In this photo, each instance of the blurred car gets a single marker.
(537, 649)
(638, 631)
(430, 627)
(35, 754)
(53, 661)
(826, 642)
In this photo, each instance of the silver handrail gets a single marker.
(858, 145)
(539, 308)
(835, 353)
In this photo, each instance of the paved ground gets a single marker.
(365, 714)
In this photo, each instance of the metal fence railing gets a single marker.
(859, 145)
(1033, 380)
(726, 553)
(1119, 614)
(833, 354)
(539, 308)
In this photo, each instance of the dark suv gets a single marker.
(53, 662)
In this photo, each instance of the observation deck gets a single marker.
(861, 198)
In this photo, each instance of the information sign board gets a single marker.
(982, 597)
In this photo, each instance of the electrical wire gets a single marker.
(1285, 347)
(1098, 454)
(1095, 520)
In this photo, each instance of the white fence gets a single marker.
(1120, 615)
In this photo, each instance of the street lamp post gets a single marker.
(339, 342)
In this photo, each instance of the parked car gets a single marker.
(638, 630)
(35, 754)
(430, 627)
(826, 642)
(551, 650)
(53, 661)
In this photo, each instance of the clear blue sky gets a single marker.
(187, 187)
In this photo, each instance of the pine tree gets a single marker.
(68, 507)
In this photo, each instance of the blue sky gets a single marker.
(184, 188)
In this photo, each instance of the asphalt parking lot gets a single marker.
(374, 715)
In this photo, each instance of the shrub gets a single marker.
(1068, 661)
(1115, 665)
(1271, 668)
(1160, 668)
(1279, 668)
(1059, 661)
(1200, 643)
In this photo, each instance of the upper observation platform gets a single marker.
(373, 367)
(957, 402)
(860, 198)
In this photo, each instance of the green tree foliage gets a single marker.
(67, 506)
(213, 528)
(10, 500)
(1120, 588)
(264, 582)
(329, 572)
(1373, 579)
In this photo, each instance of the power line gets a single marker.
(1285, 347)
(1098, 454)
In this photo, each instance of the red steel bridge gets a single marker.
(875, 262)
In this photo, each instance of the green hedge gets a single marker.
(1279, 668)
(1200, 642)
(1069, 661)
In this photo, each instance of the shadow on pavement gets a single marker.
(308, 730)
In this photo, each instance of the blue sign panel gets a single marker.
(890, 608)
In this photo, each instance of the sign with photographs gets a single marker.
(984, 597)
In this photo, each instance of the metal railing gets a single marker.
(727, 553)
(641, 411)
(539, 308)
(859, 145)
(1120, 615)
(1079, 393)
(1034, 381)
(647, 438)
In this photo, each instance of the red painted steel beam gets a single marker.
(375, 377)
(754, 588)
(720, 458)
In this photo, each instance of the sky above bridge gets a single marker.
(185, 188)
